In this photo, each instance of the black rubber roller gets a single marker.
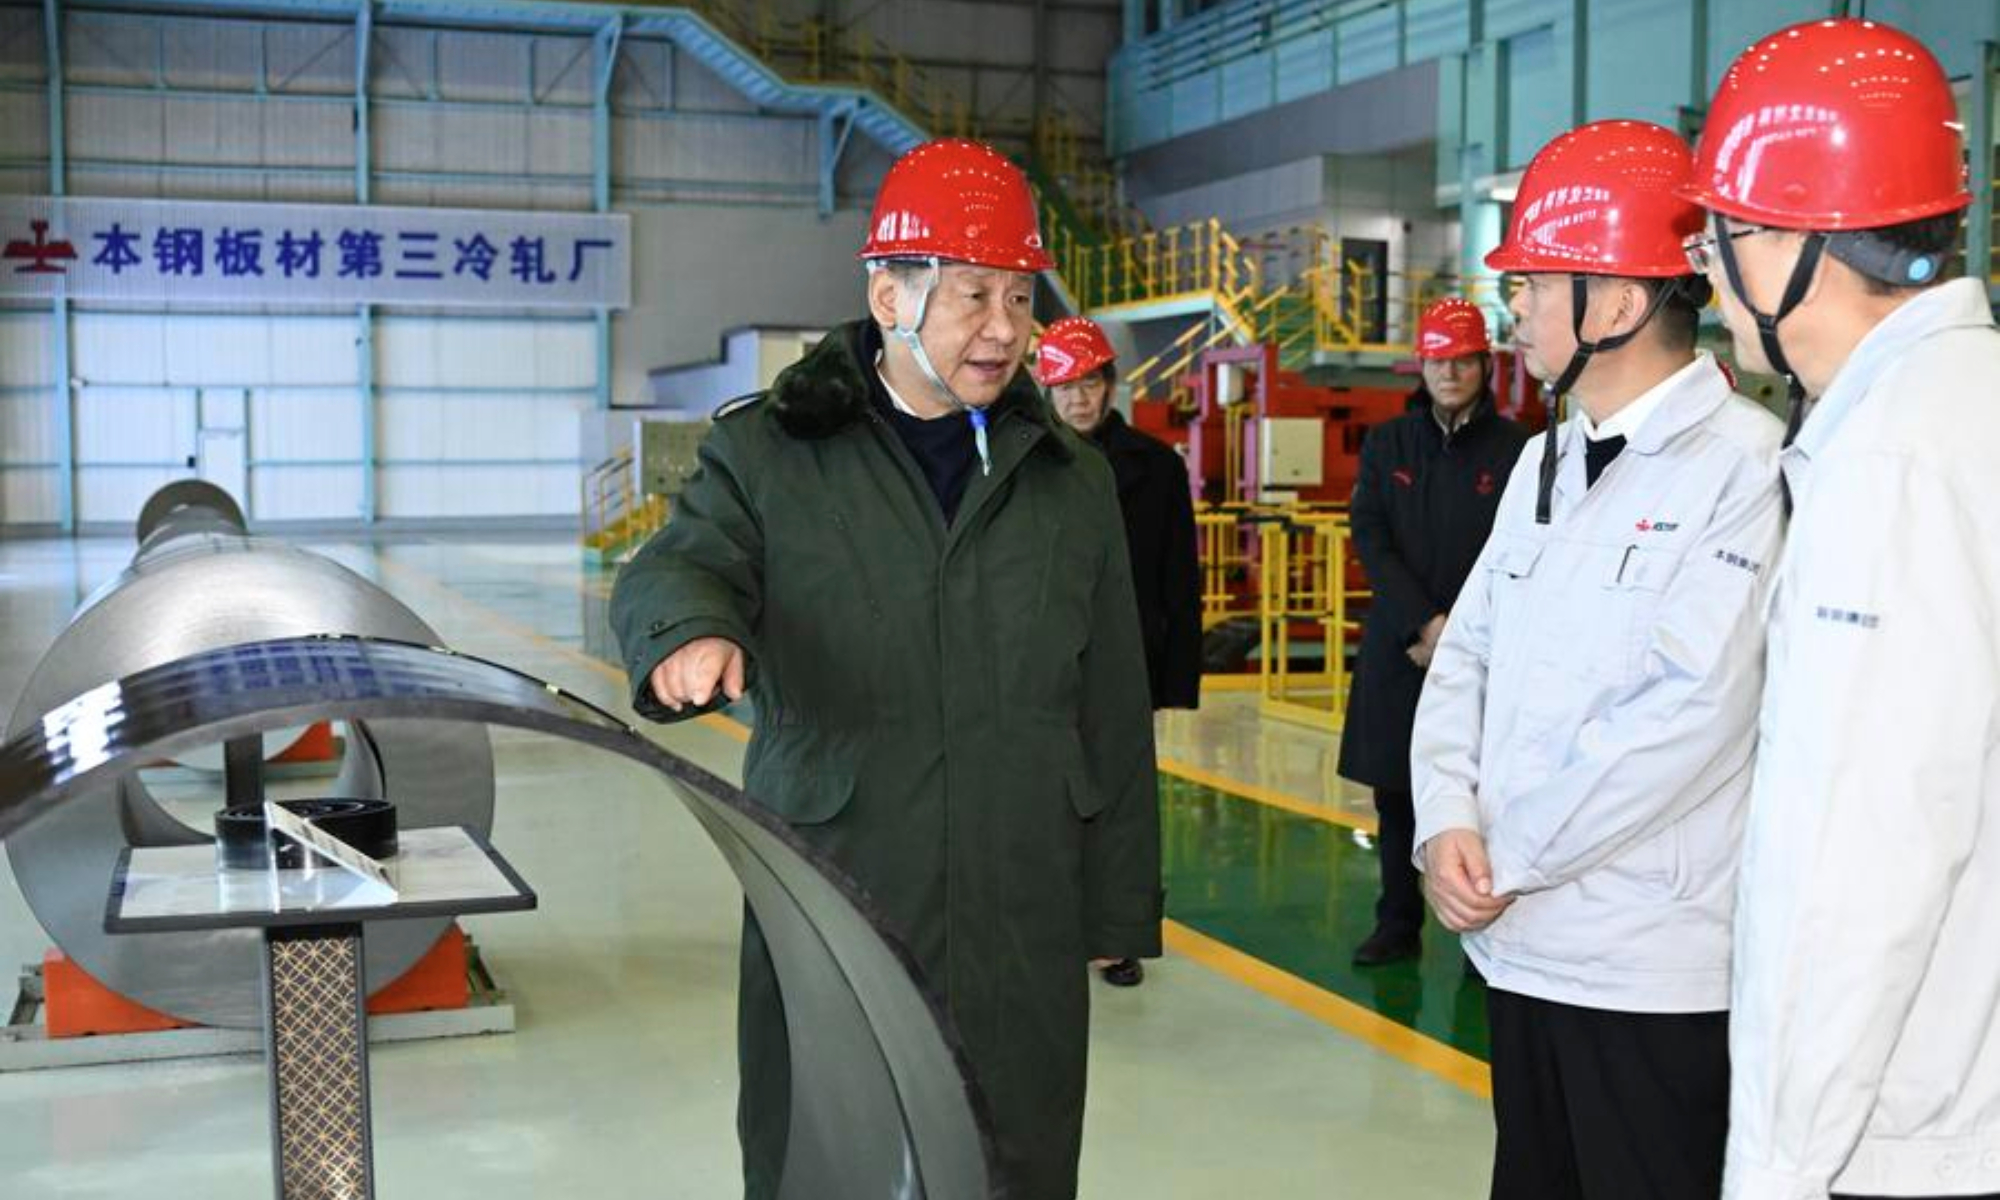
(367, 825)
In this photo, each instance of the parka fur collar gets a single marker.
(829, 389)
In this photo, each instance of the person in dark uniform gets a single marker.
(1077, 365)
(868, 550)
(1429, 486)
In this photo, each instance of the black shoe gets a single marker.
(1386, 946)
(1126, 972)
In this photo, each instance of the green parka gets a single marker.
(957, 716)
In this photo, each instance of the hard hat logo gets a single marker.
(1832, 125)
(1600, 200)
(1071, 348)
(958, 201)
(1452, 328)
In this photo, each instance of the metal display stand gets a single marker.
(315, 992)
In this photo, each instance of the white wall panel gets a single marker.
(305, 494)
(28, 427)
(414, 493)
(107, 49)
(508, 354)
(24, 181)
(428, 426)
(204, 53)
(25, 132)
(115, 495)
(21, 54)
(119, 347)
(313, 58)
(563, 70)
(27, 348)
(483, 66)
(125, 425)
(30, 497)
(129, 128)
(305, 425)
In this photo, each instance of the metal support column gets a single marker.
(1979, 138)
(364, 38)
(836, 126)
(62, 395)
(1579, 63)
(605, 50)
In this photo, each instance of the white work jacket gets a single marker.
(1866, 1036)
(1591, 709)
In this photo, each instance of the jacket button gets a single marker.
(657, 627)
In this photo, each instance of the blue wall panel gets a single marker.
(1368, 44)
(1436, 27)
(1246, 85)
(1305, 65)
(1538, 93)
(1640, 59)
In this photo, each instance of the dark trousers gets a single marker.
(1401, 907)
(1595, 1105)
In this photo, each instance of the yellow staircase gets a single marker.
(617, 520)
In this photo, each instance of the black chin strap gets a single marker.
(1767, 327)
(1554, 394)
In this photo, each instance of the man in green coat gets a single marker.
(921, 579)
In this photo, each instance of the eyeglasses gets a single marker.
(1701, 250)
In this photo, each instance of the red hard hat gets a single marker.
(1452, 328)
(1601, 200)
(1071, 348)
(1832, 125)
(961, 201)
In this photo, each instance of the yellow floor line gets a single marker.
(1398, 1041)
(1269, 797)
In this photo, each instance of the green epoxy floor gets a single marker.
(1299, 894)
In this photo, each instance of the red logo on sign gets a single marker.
(1403, 477)
(1484, 485)
(42, 254)
(1645, 526)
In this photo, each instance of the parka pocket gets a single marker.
(1067, 765)
(806, 776)
(1084, 796)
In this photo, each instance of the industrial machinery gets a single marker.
(200, 582)
(882, 1100)
(213, 637)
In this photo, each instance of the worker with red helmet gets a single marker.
(1866, 1027)
(1582, 751)
(1424, 502)
(916, 575)
(1077, 365)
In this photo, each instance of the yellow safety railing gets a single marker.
(1303, 572)
(1225, 559)
(1289, 288)
(615, 515)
